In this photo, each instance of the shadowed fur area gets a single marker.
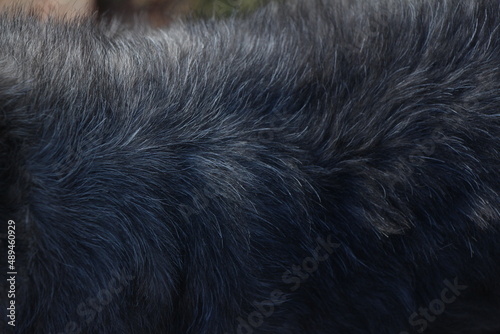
(316, 167)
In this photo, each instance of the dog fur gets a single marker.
(313, 168)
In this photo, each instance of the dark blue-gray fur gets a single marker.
(192, 168)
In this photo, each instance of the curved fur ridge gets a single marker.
(316, 167)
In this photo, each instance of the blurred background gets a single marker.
(159, 12)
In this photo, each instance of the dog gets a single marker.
(314, 167)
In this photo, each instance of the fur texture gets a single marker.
(314, 168)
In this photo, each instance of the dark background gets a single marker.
(159, 12)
